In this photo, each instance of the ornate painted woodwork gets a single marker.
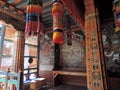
(7, 12)
(11, 78)
(96, 79)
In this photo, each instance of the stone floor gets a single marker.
(64, 87)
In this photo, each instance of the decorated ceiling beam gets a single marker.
(73, 10)
(48, 3)
(10, 1)
(20, 4)
(18, 24)
(12, 8)
(9, 13)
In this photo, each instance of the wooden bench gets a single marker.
(56, 73)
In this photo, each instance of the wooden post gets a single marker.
(57, 57)
(96, 75)
(58, 38)
(19, 52)
(21, 81)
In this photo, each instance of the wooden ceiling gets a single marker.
(18, 7)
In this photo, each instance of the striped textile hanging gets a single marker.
(33, 17)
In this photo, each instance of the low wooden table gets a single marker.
(36, 84)
(56, 73)
(27, 86)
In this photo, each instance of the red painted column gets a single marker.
(96, 77)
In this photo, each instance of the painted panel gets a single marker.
(73, 57)
(111, 44)
(46, 53)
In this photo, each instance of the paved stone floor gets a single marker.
(64, 87)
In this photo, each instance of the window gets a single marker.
(6, 46)
(31, 51)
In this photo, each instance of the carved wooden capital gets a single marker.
(89, 6)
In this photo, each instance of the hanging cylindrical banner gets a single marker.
(33, 17)
(57, 13)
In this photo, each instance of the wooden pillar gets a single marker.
(18, 57)
(19, 51)
(56, 57)
(96, 77)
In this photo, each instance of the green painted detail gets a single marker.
(13, 82)
(2, 79)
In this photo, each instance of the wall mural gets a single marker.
(73, 57)
(111, 43)
(46, 53)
